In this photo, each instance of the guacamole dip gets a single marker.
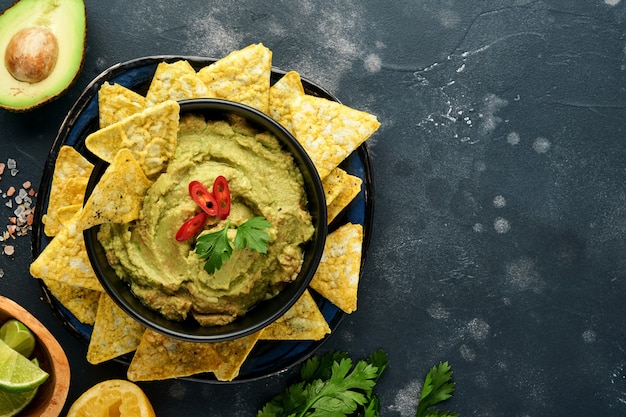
(168, 275)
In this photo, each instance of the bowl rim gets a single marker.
(60, 374)
(271, 309)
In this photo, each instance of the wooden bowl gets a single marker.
(53, 392)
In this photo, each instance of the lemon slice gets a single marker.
(11, 403)
(18, 337)
(17, 373)
(114, 397)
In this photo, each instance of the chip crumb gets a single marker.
(9, 250)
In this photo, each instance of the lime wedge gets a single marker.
(18, 374)
(18, 337)
(11, 403)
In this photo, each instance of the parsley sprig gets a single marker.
(331, 386)
(438, 387)
(215, 248)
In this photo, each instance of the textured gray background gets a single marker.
(500, 226)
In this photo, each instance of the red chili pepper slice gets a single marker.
(203, 198)
(221, 193)
(191, 227)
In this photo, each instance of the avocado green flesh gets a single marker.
(66, 19)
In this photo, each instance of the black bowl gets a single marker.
(263, 313)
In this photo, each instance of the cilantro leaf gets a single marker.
(215, 248)
(331, 386)
(251, 234)
(438, 387)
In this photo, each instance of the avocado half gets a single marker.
(42, 44)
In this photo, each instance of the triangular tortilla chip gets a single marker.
(116, 102)
(114, 334)
(351, 187)
(69, 181)
(282, 94)
(329, 131)
(303, 321)
(232, 354)
(337, 277)
(242, 76)
(150, 135)
(81, 302)
(333, 184)
(118, 196)
(65, 259)
(175, 81)
(160, 357)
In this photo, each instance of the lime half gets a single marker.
(17, 373)
(11, 403)
(18, 337)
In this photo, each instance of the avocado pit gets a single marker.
(31, 54)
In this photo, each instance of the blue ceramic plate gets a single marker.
(267, 357)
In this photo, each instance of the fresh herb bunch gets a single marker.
(331, 386)
(215, 247)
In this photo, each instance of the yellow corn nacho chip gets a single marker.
(118, 196)
(175, 81)
(69, 181)
(303, 321)
(160, 357)
(284, 92)
(337, 277)
(116, 102)
(65, 259)
(329, 131)
(114, 333)
(81, 302)
(242, 76)
(232, 354)
(333, 184)
(150, 135)
(351, 187)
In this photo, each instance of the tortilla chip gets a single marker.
(329, 131)
(118, 196)
(116, 102)
(69, 181)
(242, 76)
(175, 81)
(81, 302)
(65, 259)
(337, 277)
(160, 357)
(232, 354)
(150, 135)
(333, 184)
(303, 321)
(114, 334)
(349, 190)
(284, 92)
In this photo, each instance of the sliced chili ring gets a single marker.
(203, 198)
(221, 193)
(191, 227)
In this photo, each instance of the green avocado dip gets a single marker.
(167, 275)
